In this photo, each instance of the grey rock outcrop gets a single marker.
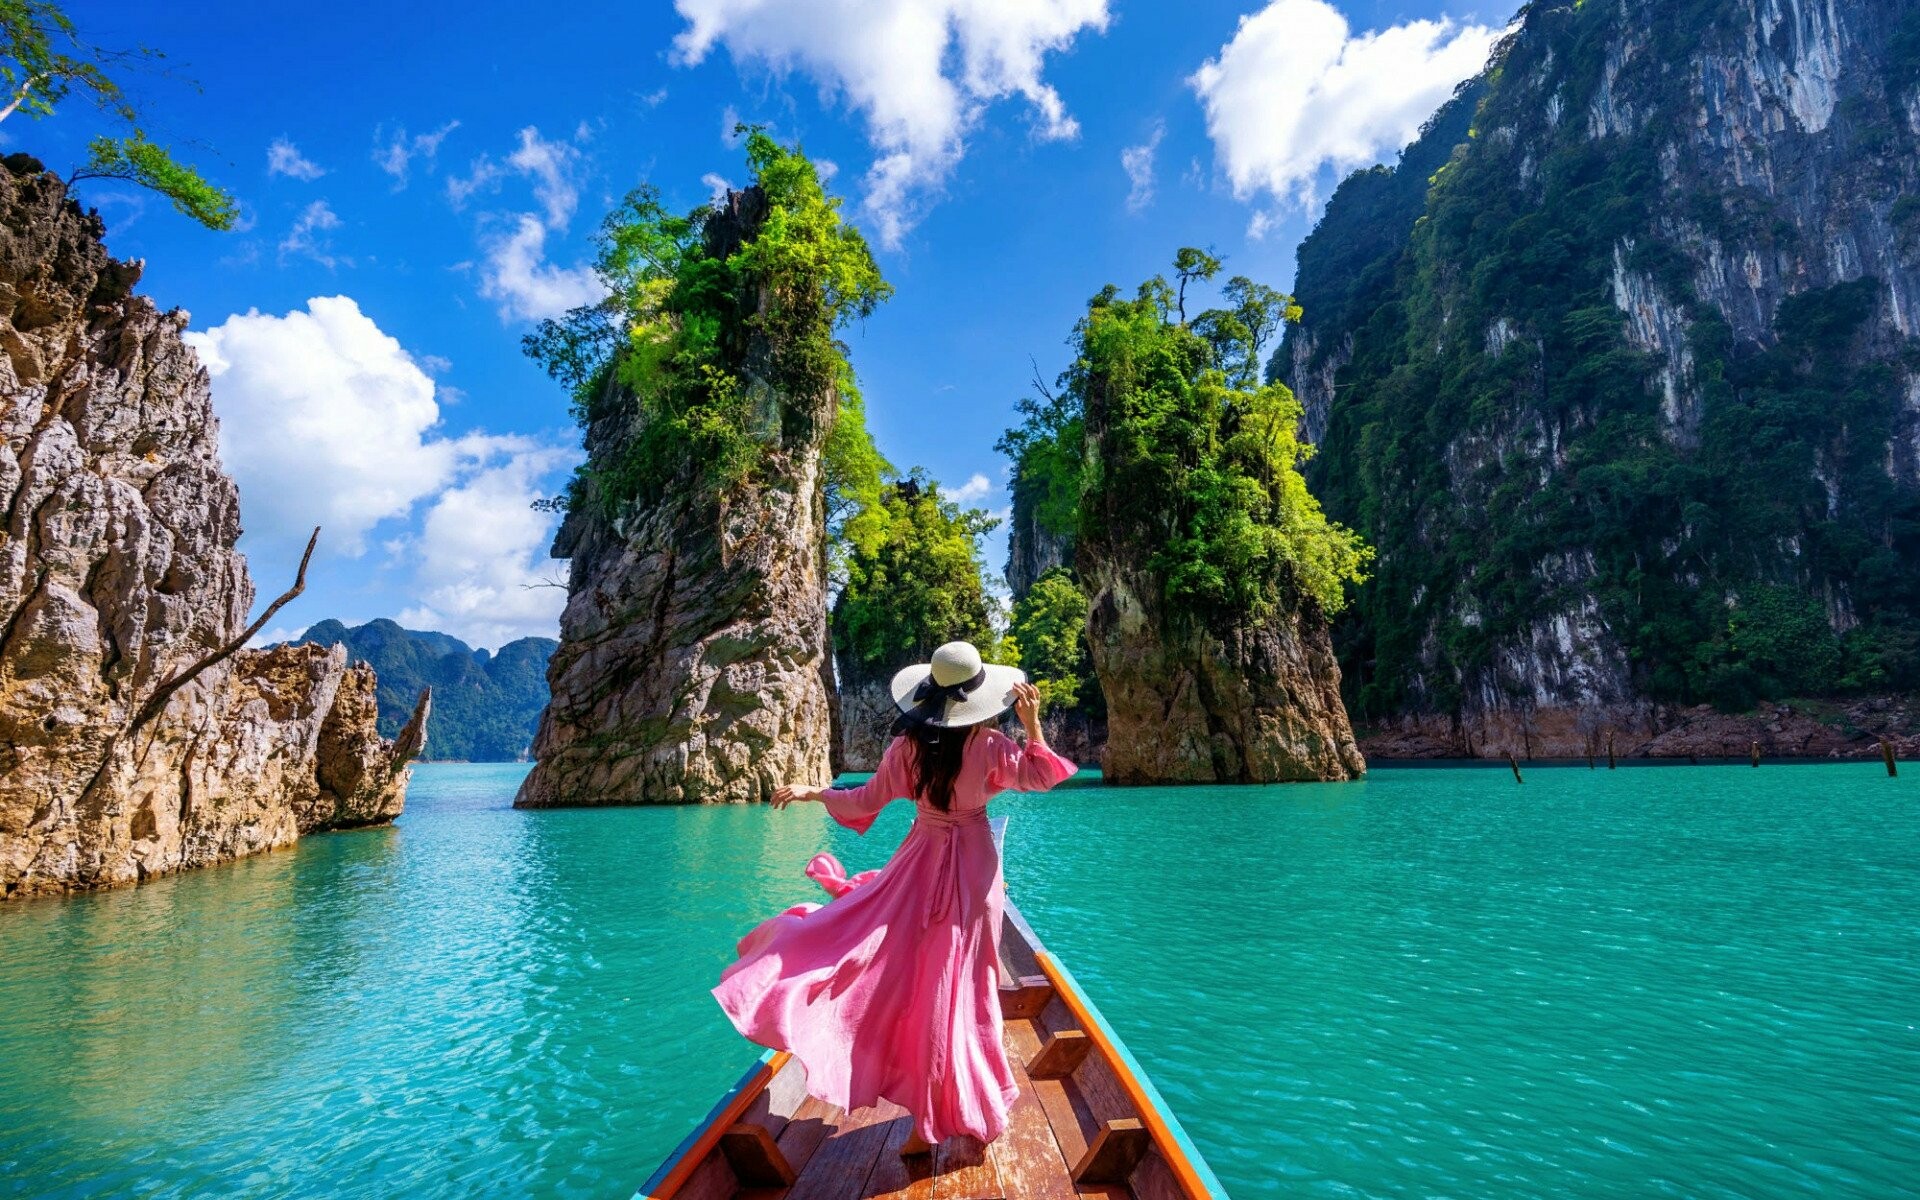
(866, 719)
(1032, 548)
(117, 573)
(1256, 703)
(693, 647)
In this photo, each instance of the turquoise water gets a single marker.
(1684, 981)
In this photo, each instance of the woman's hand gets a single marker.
(1026, 706)
(788, 793)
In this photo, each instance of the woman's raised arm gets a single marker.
(1036, 768)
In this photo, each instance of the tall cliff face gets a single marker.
(1033, 548)
(1256, 702)
(693, 648)
(117, 573)
(1629, 402)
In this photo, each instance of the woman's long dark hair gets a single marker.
(937, 754)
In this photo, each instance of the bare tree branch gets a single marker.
(165, 691)
(20, 97)
(1038, 384)
(412, 738)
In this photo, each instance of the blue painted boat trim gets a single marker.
(747, 1080)
(1133, 1067)
(1128, 1061)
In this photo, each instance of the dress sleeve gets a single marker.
(857, 806)
(1033, 768)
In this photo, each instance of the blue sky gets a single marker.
(421, 181)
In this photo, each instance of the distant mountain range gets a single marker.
(485, 706)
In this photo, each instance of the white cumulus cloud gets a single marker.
(481, 569)
(520, 281)
(1296, 93)
(1137, 162)
(921, 72)
(324, 420)
(327, 420)
(284, 158)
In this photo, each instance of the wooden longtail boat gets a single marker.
(1088, 1122)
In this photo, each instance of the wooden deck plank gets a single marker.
(755, 1159)
(782, 1097)
(1106, 1099)
(1029, 1160)
(840, 1167)
(1055, 1017)
(1024, 997)
(1067, 1117)
(1061, 1056)
(813, 1122)
(896, 1178)
(963, 1170)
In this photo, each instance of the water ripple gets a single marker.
(1681, 981)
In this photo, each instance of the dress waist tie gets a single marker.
(946, 888)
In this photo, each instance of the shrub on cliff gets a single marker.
(913, 581)
(685, 334)
(1048, 638)
(43, 61)
(1199, 463)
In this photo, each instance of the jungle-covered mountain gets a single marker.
(1617, 370)
(1160, 510)
(485, 706)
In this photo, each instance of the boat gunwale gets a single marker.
(672, 1174)
(1183, 1158)
(1189, 1166)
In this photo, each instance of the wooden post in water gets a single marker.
(1886, 752)
(1756, 754)
(1515, 764)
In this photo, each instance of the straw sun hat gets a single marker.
(953, 690)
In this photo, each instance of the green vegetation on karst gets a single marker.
(1196, 476)
(689, 304)
(724, 345)
(1048, 638)
(1198, 470)
(43, 62)
(1502, 444)
(912, 580)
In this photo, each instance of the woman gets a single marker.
(889, 991)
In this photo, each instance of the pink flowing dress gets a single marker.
(889, 991)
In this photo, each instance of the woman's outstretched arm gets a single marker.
(857, 806)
